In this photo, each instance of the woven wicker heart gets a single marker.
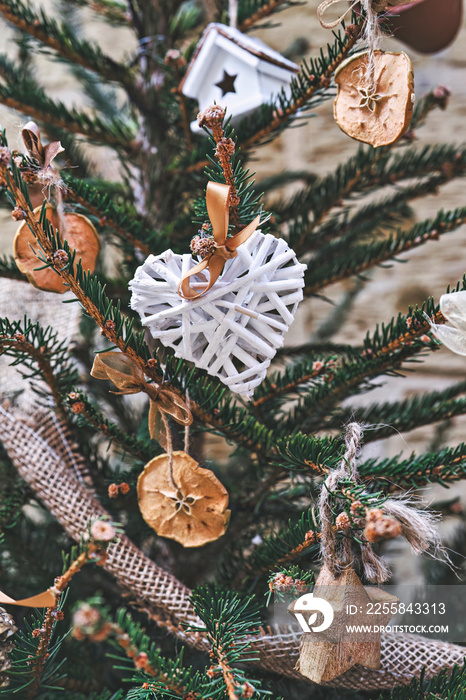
(234, 330)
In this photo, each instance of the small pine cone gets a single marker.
(78, 407)
(60, 259)
(202, 246)
(441, 95)
(109, 325)
(18, 214)
(211, 116)
(343, 521)
(124, 488)
(225, 148)
(357, 509)
(113, 491)
(380, 526)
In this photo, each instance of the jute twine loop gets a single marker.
(337, 554)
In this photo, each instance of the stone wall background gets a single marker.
(318, 145)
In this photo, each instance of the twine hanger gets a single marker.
(418, 527)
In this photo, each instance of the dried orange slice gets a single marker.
(81, 236)
(376, 111)
(191, 509)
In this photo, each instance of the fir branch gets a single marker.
(376, 216)
(367, 170)
(295, 376)
(43, 109)
(9, 269)
(89, 415)
(40, 351)
(91, 553)
(230, 626)
(124, 221)
(406, 415)
(289, 544)
(252, 11)
(114, 11)
(449, 684)
(443, 467)
(331, 265)
(64, 41)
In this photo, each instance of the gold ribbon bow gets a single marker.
(130, 379)
(217, 200)
(47, 599)
(43, 154)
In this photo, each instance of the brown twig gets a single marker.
(263, 12)
(122, 232)
(44, 365)
(65, 124)
(212, 118)
(107, 68)
(50, 618)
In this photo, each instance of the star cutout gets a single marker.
(227, 83)
(325, 655)
(369, 98)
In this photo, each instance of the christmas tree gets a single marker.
(175, 468)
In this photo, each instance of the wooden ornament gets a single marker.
(325, 655)
(234, 330)
(236, 71)
(190, 508)
(81, 236)
(377, 112)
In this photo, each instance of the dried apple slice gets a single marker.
(81, 236)
(376, 111)
(191, 509)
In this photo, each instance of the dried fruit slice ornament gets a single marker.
(81, 236)
(375, 104)
(186, 502)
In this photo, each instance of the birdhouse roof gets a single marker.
(252, 45)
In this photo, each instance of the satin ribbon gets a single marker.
(36, 150)
(217, 200)
(47, 599)
(130, 379)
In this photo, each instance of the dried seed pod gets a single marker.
(378, 110)
(81, 236)
(192, 510)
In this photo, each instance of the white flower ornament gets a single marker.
(453, 307)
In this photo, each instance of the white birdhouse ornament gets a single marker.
(232, 323)
(235, 71)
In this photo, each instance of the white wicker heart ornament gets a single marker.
(235, 328)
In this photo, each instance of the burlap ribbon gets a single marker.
(36, 150)
(130, 379)
(217, 200)
(47, 599)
